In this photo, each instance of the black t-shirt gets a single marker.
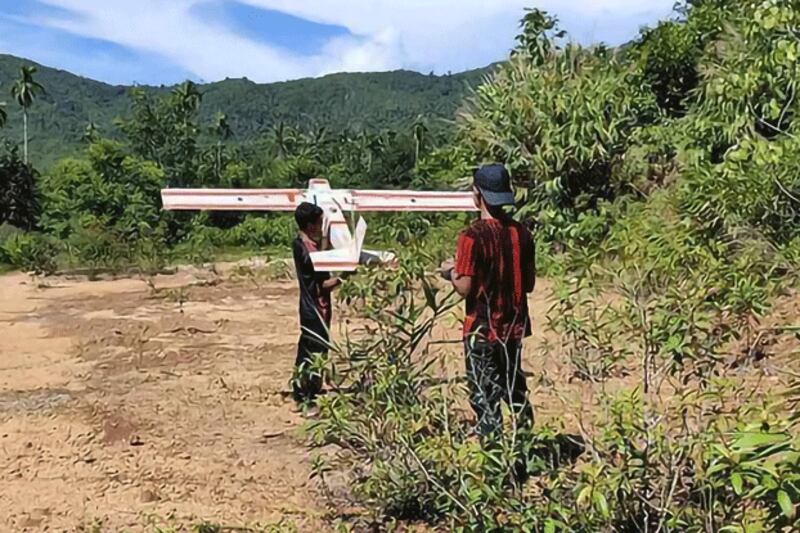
(315, 302)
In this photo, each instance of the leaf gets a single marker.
(583, 495)
(785, 503)
(602, 504)
(746, 441)
(737, 483)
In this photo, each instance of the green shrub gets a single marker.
(663, 455)
(261, 232)
(32, 252)
(96, 247)
(7, 231)
(109, 188)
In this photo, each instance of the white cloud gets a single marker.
(439, 35)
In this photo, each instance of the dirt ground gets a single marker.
(120, 401)
(127, 402)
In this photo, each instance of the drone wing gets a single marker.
(231, 199)
(377, 201)
(347, 249)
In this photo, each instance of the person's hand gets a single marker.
(446, 269)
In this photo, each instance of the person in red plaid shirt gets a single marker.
(494, 270)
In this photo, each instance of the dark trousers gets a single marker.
(313, 342)
(495, 375)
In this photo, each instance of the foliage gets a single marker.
(681, 452)
(407, 452)
(258, 233)
(667, 178)
(564, 146)
(19, 205)
(7, 231)
(669, 54)
(104, 208)
(164, 131)
(359, 102)
(32, 252)
(110, 189)
(744, 112)
(25, 91)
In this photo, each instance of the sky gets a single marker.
(168, 41)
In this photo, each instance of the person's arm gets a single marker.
(331, 283)
(302, 261)
(529, 263)
(462, 284)
(460, 271)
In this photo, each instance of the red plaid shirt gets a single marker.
(499, 256)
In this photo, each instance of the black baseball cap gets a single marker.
(494, 183)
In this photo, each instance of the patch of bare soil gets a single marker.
(120, 401)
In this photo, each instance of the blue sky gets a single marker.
(167, 41)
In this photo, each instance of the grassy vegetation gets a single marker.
(670, 229)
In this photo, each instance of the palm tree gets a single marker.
(90, 133)
(186, 99)
(24, 92)
(189, 96)
(420, 136)
(222, 129)
(283, 139)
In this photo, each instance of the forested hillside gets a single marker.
(368, 101)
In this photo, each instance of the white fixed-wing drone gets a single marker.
(346, 253)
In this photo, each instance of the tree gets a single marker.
(221, 129)
(189, 97)
(18, 197)
(535, 40)
(3, 114)
(24, 92)
(186, 100)
(108, 190)
(420, 136)
(282, 139)
(90, 133)
(165, 130)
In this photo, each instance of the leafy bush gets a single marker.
(258, 232)
(741, 149)
(7, 231)
(406, 450)
(665, 455)
(109, 189)
(95, 247)
(32, 252)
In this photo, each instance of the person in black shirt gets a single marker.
(315, 302)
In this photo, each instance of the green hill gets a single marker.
(358, 101)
